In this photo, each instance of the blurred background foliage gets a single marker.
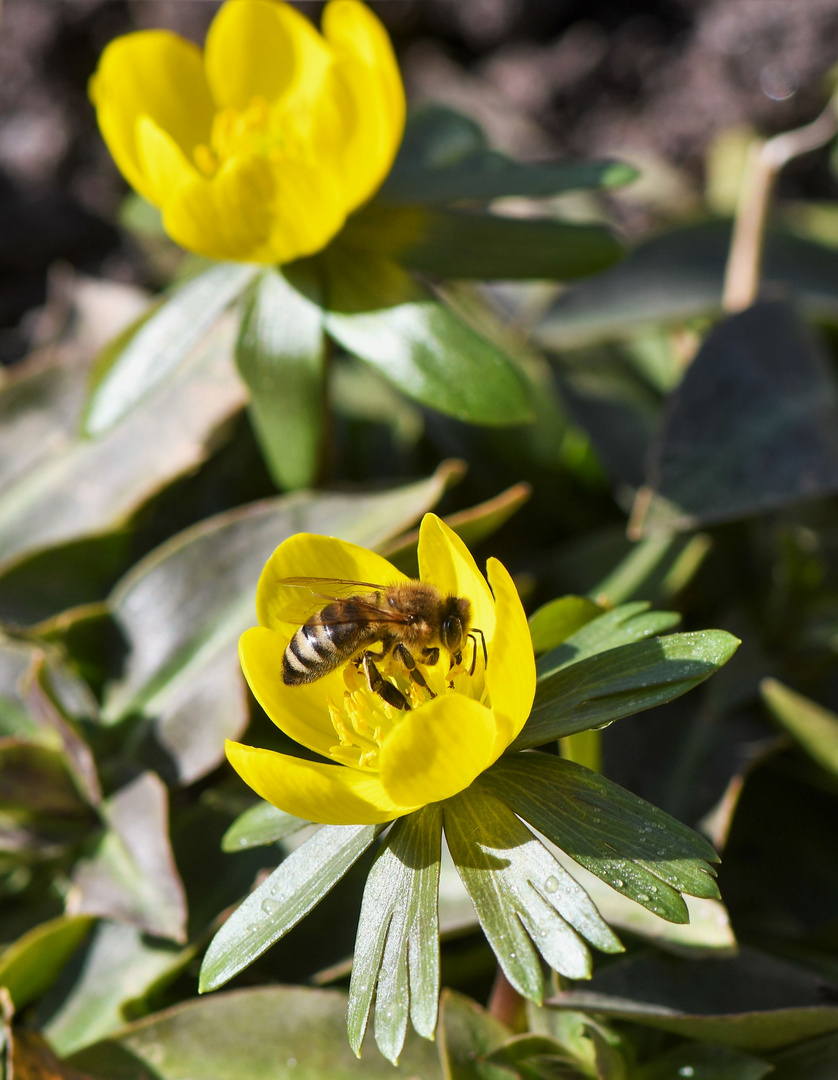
(128, 562)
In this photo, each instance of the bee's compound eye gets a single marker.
(452, 632)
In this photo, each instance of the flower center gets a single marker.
(260, 129)
(362, 719)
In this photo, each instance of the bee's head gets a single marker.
(456, 615)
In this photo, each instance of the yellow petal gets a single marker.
(302, 712)
(437, 750)
(510, 675)
(309, 555)
(328, 794)
(365, 62)
(163, 161)
(157, 74)
(446, 562)
(263, 48)
(228, 216)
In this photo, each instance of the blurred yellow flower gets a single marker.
(258, 149)
(386, 762)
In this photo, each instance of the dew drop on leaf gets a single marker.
(551, 884)
(270, 907)
(618, 883)
(686, 1070)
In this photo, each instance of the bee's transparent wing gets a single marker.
(301, 597)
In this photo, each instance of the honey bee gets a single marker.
(412, 620)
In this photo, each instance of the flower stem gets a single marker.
(766, 159)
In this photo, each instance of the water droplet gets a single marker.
(270, 907)
(596, 821)
(618, 883)
(643, 897)
(291, 1062)
(653, 888)
(551, 884)
(512, 956)
(686, 1070)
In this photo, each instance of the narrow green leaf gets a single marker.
(467, 1036)
(255, 1033)
(283, 899)
(811, 1060)
(627, 623)
(555, 622)
(30, 965)
(444, 158)
(635, 848)
(813, 728)
(705, 1062)
(379, 314)
(677, 276)
(150, 350)
(132, 875)
(449, 244)
(621, 682)
(751, 1002)
(522, 895)
(280, 354)
(397, 948)
(258, 825)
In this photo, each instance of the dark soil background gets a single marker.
(650, 81)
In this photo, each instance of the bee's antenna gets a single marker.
(473, 635)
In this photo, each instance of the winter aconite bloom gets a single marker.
(257, 149)
(383, 762)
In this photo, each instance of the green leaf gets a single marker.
(768, 440)
(132, 877)
(555, 622)
(56, 487)
(661, 565)
(280, 354)
(397, 948)
(260, 824)
(443, 158)
(677, 276)
(120, 965)
(813, 728)
(704, 1062)
(750, 1002)
(31, 964)
(263, 1033)
(449, 244)
(151, 350)
(379, 314)
(467, 1035)
(621, 682)
(283, 899)
(522, 895)
(811, 1060)
(625, 624)
(183, 607)
(635, 848)
(708, 932)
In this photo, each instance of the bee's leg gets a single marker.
(407, 659)
(430, 656)
(379, 685)
(457, 658)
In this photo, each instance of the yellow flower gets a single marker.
(386, 762)
(258, 149)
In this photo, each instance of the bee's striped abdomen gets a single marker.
(324, 643)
